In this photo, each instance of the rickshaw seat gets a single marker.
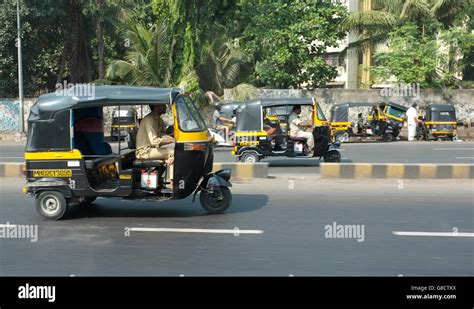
(148, 163)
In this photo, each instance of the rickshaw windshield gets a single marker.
(397, 112)
(189, 118)
(320, 114)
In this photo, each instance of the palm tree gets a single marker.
(147, 63)
(372, 27)
(222, 65)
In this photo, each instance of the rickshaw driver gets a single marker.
(151, 138)
(297, 125)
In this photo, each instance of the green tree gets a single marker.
(287, 38)
(373, 27)
(409, 59)
(223, 65)
(148, 61)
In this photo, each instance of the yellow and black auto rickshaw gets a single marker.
(383, 120)
(257, 118)
(68, 162)
(439, 122)
(123, 122)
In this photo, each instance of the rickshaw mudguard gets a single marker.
(219, 179)
(50, 184)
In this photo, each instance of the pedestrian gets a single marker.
(412, 121)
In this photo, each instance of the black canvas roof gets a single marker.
(104, 95)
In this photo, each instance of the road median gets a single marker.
(397, 170)
(239, 170)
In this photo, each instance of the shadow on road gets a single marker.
(112, 208)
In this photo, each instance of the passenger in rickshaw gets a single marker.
(360, 123)
(298, 126)
(220, 121)
(89, 132)
(152, 142)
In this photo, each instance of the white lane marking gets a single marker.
(460, 158)
(449, 149)
(5, 226)
(434, 234)
(209, 231)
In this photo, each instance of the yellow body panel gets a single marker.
(54, 155)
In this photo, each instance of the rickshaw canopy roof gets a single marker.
(340, 112)
(441, 107)
(101, 96)
(402, 107)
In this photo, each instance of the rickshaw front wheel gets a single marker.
(217, 201)
(250, 157)
(51, 205)
(333, 156)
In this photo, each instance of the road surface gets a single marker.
(288, 221)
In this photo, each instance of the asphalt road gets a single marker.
(366, 152)
(292, 214)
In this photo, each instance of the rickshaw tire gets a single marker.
(387, 137)
(246, 155)
(331, 157)
(205, 198)
(56, 199)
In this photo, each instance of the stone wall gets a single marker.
(461, 99)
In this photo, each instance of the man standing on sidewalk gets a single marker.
(412, 120)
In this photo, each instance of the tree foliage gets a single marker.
(287, 39)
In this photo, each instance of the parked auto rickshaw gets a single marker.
(383, 120)
(395, 115)
(69, 162)
(439, 122)
(123, 121)
(253, 143)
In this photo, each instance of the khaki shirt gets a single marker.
(294, 120)
(151, 131)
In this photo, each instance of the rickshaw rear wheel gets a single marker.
(216, 202)
(387, 137)
(333, 156)
(51, 205)
(249, 157)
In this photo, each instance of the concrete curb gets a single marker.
(244, 170)
(11, 169)
(397, 170)
(239, 170)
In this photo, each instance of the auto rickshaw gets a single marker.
(384, 120)
(253, 143)
(123, 121)
(395, 115)
(439, 122)
(67, 160)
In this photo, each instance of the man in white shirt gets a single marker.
(412, 120)
(297, 127)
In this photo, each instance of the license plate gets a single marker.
(52, 173)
